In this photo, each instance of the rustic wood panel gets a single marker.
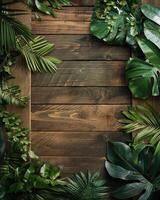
(75, 110)
(80, 95)
(74, 164)
(86, 47)
(90, 73)
(81, 144)
(76, 117)
(69, 14)
(60, 27)
(83, 2)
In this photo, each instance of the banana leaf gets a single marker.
(134, 167)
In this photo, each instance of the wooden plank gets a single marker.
(22, 75)
(86, 47)
(82, 73)
(83, 2)
(77, 14)
(76, 117)
(60, 27)
(72, 165)
(80, 95)
(72, 143)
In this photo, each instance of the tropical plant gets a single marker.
(86, 187)
(22, 175)
(117, 22)
(143, 76)
(16, 38)
(138, 168)
(144, 123)
(29, 181)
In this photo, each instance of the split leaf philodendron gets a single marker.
(116, 22)
(138, 168)
(128, 22)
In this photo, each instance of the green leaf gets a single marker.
(152, 32)
(144, 122)
(143, 78)
(116, 22)
(151, 12)
(35, 53)
(134, 182)
(151, 52)
(129, 190)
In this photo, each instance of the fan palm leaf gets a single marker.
(144, 122)
(86, 187)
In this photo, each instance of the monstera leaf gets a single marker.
(144, 76)
(138, 168)
(116, 22)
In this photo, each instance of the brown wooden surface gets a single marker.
(76, 117)
(82, 73)
(80, 95)
(77, 109)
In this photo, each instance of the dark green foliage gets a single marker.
(143, 76)
(117, 22)
(137, 167)
(86, 187)
(144, 122)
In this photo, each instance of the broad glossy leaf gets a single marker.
(99, 29)
(151, 51)
(151, 12)
(143, 77)
(136, 182)
(129, 190)
(152, 32)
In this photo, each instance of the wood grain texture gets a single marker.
(81, 144)
(80, 95)
(86, 47)
(76, 117)
(60, 27)
(83, 73)
(83, 2)
(77, 14)
(75, 164)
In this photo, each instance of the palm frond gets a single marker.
(11, 28)
(86, 187)
(35, 53)
(144, 122)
